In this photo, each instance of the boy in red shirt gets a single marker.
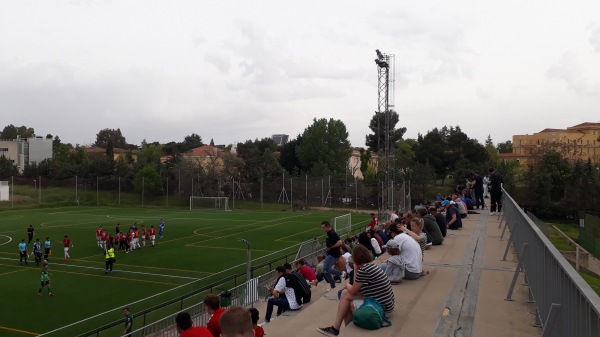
(67, 244)
(99, 235)
(212, 305)
(152, 234)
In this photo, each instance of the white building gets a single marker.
(24, 151)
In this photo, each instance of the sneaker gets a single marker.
(344, 275)
(329, 331)
(492, 213)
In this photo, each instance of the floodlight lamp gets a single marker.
(379, 54)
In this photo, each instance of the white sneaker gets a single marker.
(492, 213)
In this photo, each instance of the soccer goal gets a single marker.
(213, 203)
(342, 224)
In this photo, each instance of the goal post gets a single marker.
(209, 203)
(342, 224)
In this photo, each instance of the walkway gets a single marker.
(464, 294)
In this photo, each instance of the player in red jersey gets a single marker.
(103, 239)
(129, 241)
(136, 238)
(152, 235)
(99, 236)
(144, 236)
(67, 244)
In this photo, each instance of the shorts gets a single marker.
(66, 249)
(98, 238)
(152, 237)
(357, 303)
(23, 254)
(44, 283)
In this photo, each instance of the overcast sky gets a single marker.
(238, 70)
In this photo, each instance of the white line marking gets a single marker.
(9, 239)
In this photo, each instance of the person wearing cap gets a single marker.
(394, 266)
(283, 303)
(452, 215)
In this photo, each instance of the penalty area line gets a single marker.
(19, 331)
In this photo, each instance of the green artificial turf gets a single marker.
(199, 247)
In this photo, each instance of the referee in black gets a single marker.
(30, 233)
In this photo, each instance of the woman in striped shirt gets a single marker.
(369, 281)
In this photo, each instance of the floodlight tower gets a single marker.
(385, 92)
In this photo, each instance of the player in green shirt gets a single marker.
(128, 322)
(45, 280)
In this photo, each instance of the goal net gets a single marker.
(308, 250)
(209, 203)
(342, 224)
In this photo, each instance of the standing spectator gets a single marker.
(370, 281)
(258, 330)
(22, 251)
(212, 304)
(45, 280)
(307, 272)
(486, 185)
(30, 233)
(152, 235)
(333, 244)
(67, 244)
(496, 182)
(128, 322)
(37, 251)
(109, 255)
(185, 327)
(47, 248)
(283, 297)
(236, 322)
(374, 220)
(161, 228)
(478, 188)
(439, 219)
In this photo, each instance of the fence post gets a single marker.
(510, 238)
(517, 271)
(551, 319)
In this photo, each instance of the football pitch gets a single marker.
(198, 249)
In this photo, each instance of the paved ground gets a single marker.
(464, 294)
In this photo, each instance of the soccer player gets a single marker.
(99, 236)
(136, 238)
(47, 247)
(152, 234)
(30, 233)
(67, 244)
(22, 251)
(103, 239)
(144, 236)
(45, 280)
(161, 228)
(128, 322)
(37, 251)
(129, 241)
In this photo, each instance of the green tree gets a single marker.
(288, 157)
(12, 132)
(259, 159)
(377, 126)
(191, 141)
(325, 142)
(149, 180)
(150, 155)
(113, 135)
(505, 147)
(7, 168)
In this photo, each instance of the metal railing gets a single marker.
(566, 305)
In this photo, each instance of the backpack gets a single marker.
(370, 315)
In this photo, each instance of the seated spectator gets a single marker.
(212, 304)
(440, 219)
(410, 251)
(370, 281)
(453, 218)
(236, 322)
(384, 238)
(320, 270)
(460, 204)
(307, 272)
(365, 240)
(283, 297)
(185, 327)
(347, 257)
(296, 281)
(431, 227)
(416, 232)
(394, 266)
(258, 330)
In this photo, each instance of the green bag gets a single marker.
(370, 315)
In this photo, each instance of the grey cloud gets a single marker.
(595, 38)
(570, 70)
(219, 60)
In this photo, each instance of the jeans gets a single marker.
(281, 303)
(328, 270)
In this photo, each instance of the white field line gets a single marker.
(9, 239)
